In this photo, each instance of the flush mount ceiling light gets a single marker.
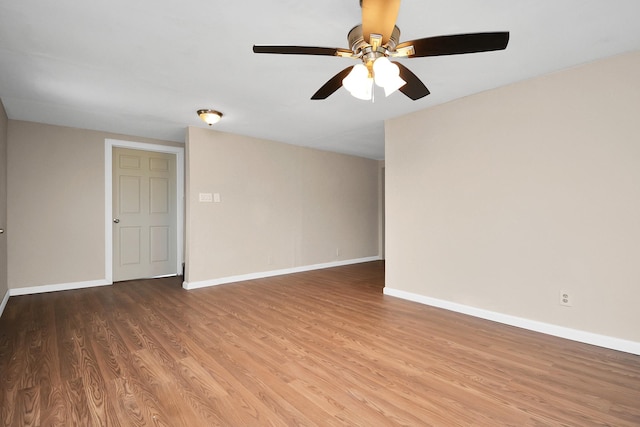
(210, 116)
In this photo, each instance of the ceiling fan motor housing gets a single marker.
(368, 51)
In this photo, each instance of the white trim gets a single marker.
(263, 274)
(3, 304)
(108, 197)
(59, 287)
(532, 325)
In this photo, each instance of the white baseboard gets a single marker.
(58, 287)
(533, 325)
(263, 274)
(3, 304)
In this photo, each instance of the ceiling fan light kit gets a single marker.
(210, 117)
(377, 40)
(359, 82)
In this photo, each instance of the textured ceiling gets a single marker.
(144, 67)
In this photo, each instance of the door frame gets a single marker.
(109, 144)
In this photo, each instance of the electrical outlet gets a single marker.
(337, 252)
(565, 298)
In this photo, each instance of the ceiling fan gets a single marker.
(376, 40)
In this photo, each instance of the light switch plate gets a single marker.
(206, 197)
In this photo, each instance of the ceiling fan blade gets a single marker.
(301, 50)
(332, 85)
(414, 88)
(457, 44)
(379, 17)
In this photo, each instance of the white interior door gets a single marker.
(144, 214)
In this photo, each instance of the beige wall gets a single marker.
(4, 123)
(500, 200)
(56, 204)
(381, 202)
(281, 206)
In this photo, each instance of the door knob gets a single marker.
(116, 220)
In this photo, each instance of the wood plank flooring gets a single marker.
(322, 348)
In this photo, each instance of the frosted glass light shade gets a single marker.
(210, 117)
(358, 82)
(387, 75)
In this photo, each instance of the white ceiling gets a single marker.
(144, 67)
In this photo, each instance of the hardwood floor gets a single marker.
(321, 348)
